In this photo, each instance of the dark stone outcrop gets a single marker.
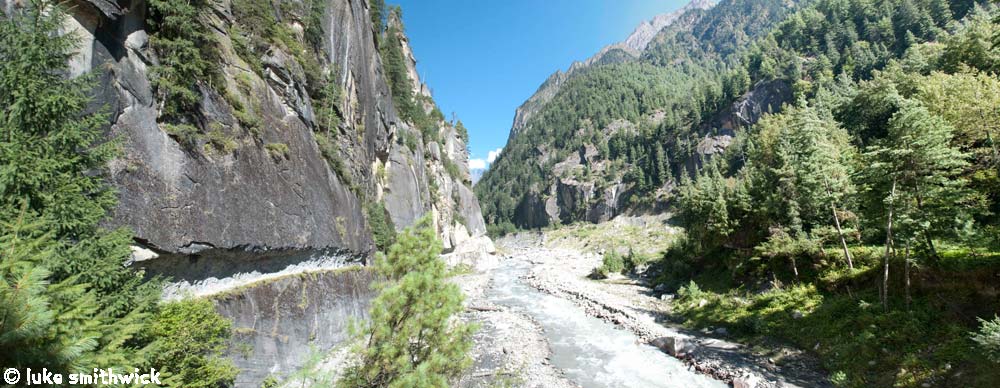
(764, 97)
(110, 8)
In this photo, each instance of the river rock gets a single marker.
(748, 380)
(672, 345)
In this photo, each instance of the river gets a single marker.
(591, 352)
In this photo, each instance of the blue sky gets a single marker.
(483, 58)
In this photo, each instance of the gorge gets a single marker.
(265, 193)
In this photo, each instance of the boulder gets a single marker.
(748, 380)
(673, 345)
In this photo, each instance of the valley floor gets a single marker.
(512, 348)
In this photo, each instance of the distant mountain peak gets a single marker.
(634, 45)
(645, 32)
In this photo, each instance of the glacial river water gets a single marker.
(591, 352)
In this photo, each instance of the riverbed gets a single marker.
(589, 351)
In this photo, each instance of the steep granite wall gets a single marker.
(262, 187)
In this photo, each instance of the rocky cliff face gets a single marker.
(586, 188)
(268, 183)
(263, 186)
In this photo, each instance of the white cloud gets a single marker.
(493, 155)
(477, 164)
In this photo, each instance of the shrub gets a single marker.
(383, 229)
(635, 260)
(500, 229)
(988, 338)
(611, 263)
(453, 170)
(277, 151)
(408, 139)
(185, 135)
(220, 142)
(328, 148)
(190, 337)
(690, 292)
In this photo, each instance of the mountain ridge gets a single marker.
(633, 45)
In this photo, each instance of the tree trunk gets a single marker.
(927, 236)
(888, 249)
(843, 241)
(906, 272)
(795, 268)
(836, 222)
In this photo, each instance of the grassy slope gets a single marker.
(836, 315)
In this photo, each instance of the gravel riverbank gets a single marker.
(510, 349)
(631, 305)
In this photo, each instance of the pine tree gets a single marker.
(47, 147)
(463, 133)
(394, 64)
(413, 339)
(188, 55)
(929, 169)
(822, 163)
(70, 300)
(912, 183)
(376, 9)
(662, 165)
(34, 311)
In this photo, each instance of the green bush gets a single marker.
(220, 142)
(634, 260)
(614, 262)
(185, 135)
(453, 170)
(188, 54)
(501, 229)
(331, 153)
(383, 229)
(190, 337)
(408, 139)
(413, 339)
(690, 292)
(988, 338)
(277, 151)
(611, 263)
